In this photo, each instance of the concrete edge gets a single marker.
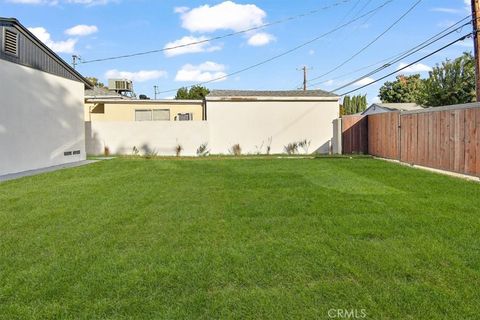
(439, 171)
(29, 173)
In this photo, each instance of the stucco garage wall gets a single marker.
(253, 123)
(41, 117)
(158, 136)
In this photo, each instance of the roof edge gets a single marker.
(49, 51)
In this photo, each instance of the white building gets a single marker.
(259, 119)
(41, 106)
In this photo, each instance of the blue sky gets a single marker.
(103, 28)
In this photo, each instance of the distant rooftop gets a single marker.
(399, 106)
(269, 93)
(101, 92)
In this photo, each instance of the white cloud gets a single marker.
(260, 39)
(201, 47)
(227, 15)
(468, 43)
(416, 68)
(447, 10)
(139, 76)
(311, 52)
(329, 83)
(180, 9)
(81, 30)
(364, 81)
(206, 71)
(67, 46)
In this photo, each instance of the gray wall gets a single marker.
(41, 117)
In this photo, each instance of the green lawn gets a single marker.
(228, 238)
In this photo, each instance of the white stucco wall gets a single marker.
(253, 123)
(158, 136)
(41, 117)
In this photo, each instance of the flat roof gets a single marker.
(271, 95)
(141, 101)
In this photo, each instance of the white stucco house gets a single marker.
(259, 119)
(41, 106)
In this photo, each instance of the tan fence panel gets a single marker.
(446, 138)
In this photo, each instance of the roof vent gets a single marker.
(10, 42)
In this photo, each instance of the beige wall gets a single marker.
(41, 117)
(126, 111)
(250, 124)
(253, 123)
(159, 136)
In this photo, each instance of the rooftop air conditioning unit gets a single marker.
(120, 85)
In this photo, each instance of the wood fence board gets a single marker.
(477, 139)
(451, 141)
(459, 141)
(470, 145)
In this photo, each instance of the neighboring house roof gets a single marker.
(390, 107)
(269, 95)
(33, 53)
(103, 93)
(113, 100)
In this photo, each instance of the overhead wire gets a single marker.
(410, 9)
(193, 43)
(409, 65)
(385, 3)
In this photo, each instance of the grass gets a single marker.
(234, 238)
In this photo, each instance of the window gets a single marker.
(143, 115)
(10, 42)
(185, 117)
(161, 115)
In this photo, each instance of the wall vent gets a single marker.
(10, 42)
(67, 153)
(76, 152)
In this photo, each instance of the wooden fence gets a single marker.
(354, 134)
(446, 138)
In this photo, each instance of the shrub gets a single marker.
(203, 150)
(305, 145)
(236, 150)
(291, 148)
(178, 150)
(135, 151)
(150, 154)
(269, 145)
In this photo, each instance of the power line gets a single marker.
(398, 59)
(411, 64)
(403, 54)
(371, 42)
(290, 50)
(263, 26)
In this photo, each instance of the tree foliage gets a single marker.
(95, 82)
(404, 89)
(195, 93)
(352, 105)
(452, 82)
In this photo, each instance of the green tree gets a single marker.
(403, 90)
(195, 93)
(355, 104)
(182, 94)
(452, 82)
(95, 82)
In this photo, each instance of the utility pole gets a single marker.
(75, 60)
(155, 91)
(305, 79)
(476, 43)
